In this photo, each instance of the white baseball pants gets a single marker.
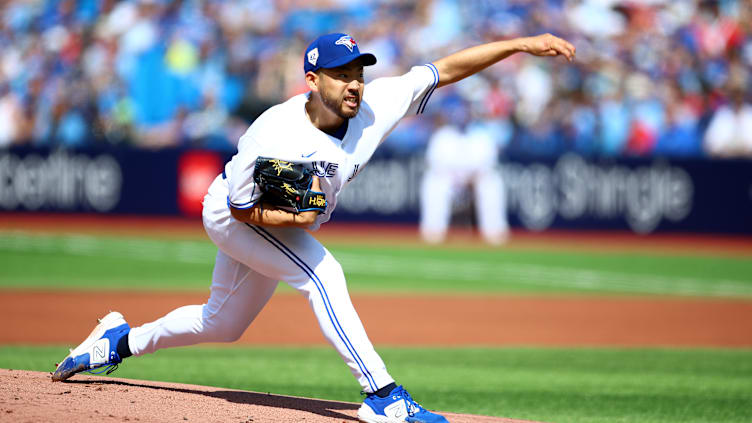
(439, 187)
(250, 262)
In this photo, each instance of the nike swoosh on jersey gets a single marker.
(305, 157)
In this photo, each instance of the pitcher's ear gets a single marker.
(312, 79)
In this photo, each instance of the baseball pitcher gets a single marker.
(291, 164)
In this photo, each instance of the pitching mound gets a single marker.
(32, 397)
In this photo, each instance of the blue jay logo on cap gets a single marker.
(325, 52)
(346, 41)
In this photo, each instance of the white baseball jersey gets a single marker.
(285, 132)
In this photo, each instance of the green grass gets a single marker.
(85, 261)
(552, 385)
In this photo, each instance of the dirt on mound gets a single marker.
(32, 397)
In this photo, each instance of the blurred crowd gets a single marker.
(651, 78)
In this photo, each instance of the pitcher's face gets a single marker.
(341, 89)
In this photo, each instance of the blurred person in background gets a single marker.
(614, 116)
(12, 122)
(681, 137)
(648, 117)
(463, 154)
(729, 133)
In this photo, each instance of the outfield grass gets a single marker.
(551, 385)
(86, 261)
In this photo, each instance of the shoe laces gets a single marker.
(410, 404)
(107, 369)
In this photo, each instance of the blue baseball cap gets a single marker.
(332, 50)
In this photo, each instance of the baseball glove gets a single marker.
(287, 185)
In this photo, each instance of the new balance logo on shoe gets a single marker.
(396, 409)
(100, 351)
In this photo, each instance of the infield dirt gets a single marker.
(458, 320)
(31, 397)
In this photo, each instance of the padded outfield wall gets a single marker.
(568, 192)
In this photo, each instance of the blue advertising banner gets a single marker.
(577, 193)
(108, 181)
(570, 191)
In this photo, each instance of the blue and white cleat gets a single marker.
(98, 350)
(396, 408)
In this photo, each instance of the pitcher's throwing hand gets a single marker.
(549, 45)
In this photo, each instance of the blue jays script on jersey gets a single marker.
(285, 132)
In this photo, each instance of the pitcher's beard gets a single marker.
(335, 107)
